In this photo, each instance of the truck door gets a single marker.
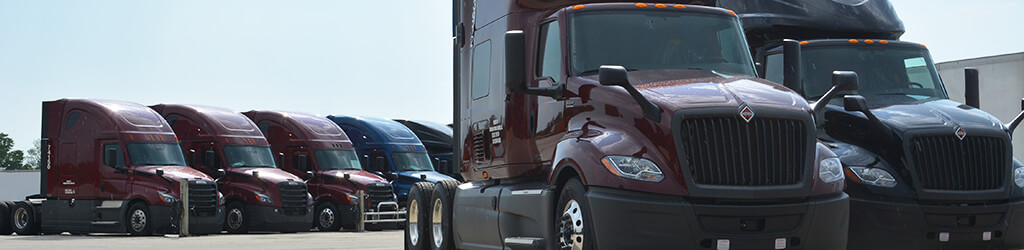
(486, 102)
(114, 181)
(68, 168)
(302, 161)
(549, 124)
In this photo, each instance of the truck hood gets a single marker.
(432, 176)
(676, 89)
(360, 177)
(175, 173)
(272, 175)
(938, 113)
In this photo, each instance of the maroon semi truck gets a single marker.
(258, 195)
(615, 125)
(303, 142)
(113, 167)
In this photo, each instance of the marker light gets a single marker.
(578, 7)
(641, 5)
(874, 176)
(679, 6)
(635, 168)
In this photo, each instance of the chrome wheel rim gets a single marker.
(235, 218)
(570, 228)
(435, 223)
(21, 218)
(138, 221)
(413, 231)
(326, 218)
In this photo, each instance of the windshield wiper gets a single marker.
(595, 71)
(893, 93)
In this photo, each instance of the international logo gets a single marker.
(960, 132)
(746, 113)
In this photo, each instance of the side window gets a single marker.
(918, 73)
(208, 157)
(773, 68)
(72, 118)
(481, 70)
(112, 155)
(550, 52)
(301, 161)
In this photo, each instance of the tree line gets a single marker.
(16, 159)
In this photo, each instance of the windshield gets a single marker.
(888, 74)
(248, 156)
(412, 161)
(337, 160)
(645, 40)
(155, 154)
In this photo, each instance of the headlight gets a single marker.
(353, 198)
(874, 176)
(635, 168)
(264, 198)
(1018, 176)
(169, 199)
(830, 170)
(309, 199)
(220, 198)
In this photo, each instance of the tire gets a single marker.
(573, 224)
(327, 217)
(416, 230)
(235, 221)
(5, 216)
(139, 221)
(24, 220)
(441, 215)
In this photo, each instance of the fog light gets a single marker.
(780, 243)
(723, 244)
(943, 236)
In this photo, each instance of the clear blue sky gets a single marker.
(388, 59)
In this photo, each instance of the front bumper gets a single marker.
(165, 220)
(879, 224)
(268, 218)
(636, 220)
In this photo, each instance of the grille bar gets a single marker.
(377, 193)
(948, 163)
(294, 198)
(730, 152)
(202, 198)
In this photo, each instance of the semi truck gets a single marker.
(438, 140)
(389, 149)
(113, 167)
(303, 142)
(923, 171)
(226, 144)
(624, 125)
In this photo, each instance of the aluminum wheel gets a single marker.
(435, 223)
(414, 232)
(138, 221)
(235, 218)
(21, 218)
(570, 230)
(326, 218)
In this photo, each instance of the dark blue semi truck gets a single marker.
(437, 138)
(391, 150)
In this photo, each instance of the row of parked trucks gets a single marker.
(121, 167)
(632, 125)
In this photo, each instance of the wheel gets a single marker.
(23, 219)
(572, 224)
(234, 219)
(441, 215)
(5, 226)
(139, 219)
(416, 233)
(328, 217)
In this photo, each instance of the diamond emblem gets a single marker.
(746, 113)
(960, 133)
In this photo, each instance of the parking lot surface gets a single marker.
(391, 239)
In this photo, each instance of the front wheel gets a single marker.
(327, 217)
(139, 219)
(235, 220)
(418, 219)
(573, 225)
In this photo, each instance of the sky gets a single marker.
(389, 59)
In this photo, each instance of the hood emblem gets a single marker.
(746, 113)
(960, 133)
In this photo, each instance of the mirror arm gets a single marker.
(1016, 120)
(819, 107)
(651, 110)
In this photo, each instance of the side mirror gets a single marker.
(1016, 120)
(368, 165)
(309, 175)
(423, 177)
(392, 176)
(437, 162)
(855, 103)
(110, 157)
(971, 85)
(208, 159)
(221, 173)
(841, 81)
(515, 68)
(159, 172)
(256, 174)
(302, 162)
(791, 74)
(615, 75)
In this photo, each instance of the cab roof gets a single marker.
(306, 126)
(213, 120)
(377, 130)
